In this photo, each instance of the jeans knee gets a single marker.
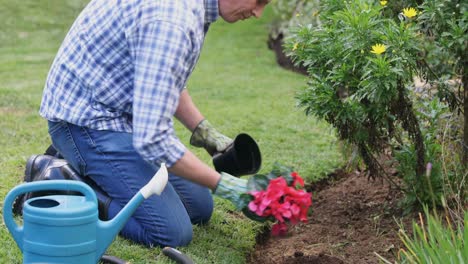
(201, 214)
(173, 235)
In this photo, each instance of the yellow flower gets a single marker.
(295, 46)
(378, 49)
(383, 3)
(409, 12)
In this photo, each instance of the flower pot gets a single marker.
(242, 157)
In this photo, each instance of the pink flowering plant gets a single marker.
(278, 197)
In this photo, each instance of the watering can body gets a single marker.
(60, 229)
(66, 228)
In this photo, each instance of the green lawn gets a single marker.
(237, 85)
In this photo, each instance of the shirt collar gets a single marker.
(211, 11)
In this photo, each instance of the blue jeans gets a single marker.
(110, 160)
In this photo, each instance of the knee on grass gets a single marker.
(173, 235)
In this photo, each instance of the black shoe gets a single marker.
(46, 167)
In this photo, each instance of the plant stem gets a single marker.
(465, 110)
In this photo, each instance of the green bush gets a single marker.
(361, 66)
(363, 59)
(444, 26)
(429, 190)
(445, 23)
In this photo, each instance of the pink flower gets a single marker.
(297, 179)
(285, 204)
(279, 229)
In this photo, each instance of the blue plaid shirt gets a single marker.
(122, 67)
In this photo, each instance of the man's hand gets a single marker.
(231, 188)
(206, 136)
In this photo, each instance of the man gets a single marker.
(110, 98)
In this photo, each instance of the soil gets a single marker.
(353, 218)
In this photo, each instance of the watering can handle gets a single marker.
(157, 184)
(59, 185)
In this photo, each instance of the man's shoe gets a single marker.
(46, 167)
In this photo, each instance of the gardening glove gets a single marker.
(206, 136)
(231, 188)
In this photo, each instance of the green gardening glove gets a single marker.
(206, 136)
(231, 188)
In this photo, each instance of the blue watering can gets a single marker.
(66, 228)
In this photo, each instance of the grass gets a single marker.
(434, 240)
(237, 85)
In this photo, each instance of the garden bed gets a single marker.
(353, 217)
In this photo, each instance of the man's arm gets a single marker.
(193, 169)
(154, 109)
(189, 165)
(187, 113)
(203, 133)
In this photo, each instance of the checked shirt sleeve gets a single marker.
(160, 50)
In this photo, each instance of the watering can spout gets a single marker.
(108, 230)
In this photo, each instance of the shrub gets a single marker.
(428, 190)
(363, 58)
(445, 23)
(361, 66)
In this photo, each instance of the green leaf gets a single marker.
(289, 179)
(281, 170)
(244, 200)
(254, 216)
(257, 182)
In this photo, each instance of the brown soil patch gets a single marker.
(353, 217)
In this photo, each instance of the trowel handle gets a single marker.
(59, 185)
(177, 256)
(157, 184)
